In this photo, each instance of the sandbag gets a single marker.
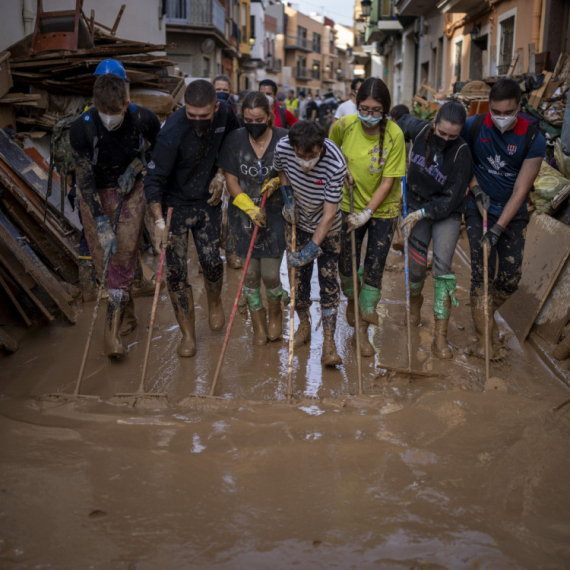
(547, 185)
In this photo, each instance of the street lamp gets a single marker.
(366, 5)
(315, 66)
(327, 68)
(475, 30)
(251, 42)
(360, 25)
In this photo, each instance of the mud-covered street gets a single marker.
(440, 472)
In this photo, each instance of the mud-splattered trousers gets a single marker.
(445, 234)
(327, 264)
(504, 277)
(123, 264)
(380, 234)
(204, 221)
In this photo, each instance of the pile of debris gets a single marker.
(39, 85)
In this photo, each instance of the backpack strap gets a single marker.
(476, 129)
(138, 122)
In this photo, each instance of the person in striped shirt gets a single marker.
(311, 170)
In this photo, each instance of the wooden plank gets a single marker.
(555, 312)
(531, 59)
(536, 95)
(520, 61)
(35, 177)
(18, 278)
(546, 250)
(512, 65)
(493, 61)
(4, 286)
(18, 98)
(36, 268)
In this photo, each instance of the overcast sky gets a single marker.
(340, 11)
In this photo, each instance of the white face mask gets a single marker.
(112, 122)
(271, 100)
(306, 165)
(503, 123)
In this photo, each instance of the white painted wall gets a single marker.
(140, 19)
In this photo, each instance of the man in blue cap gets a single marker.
(111, 142)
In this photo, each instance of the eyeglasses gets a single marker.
(365, 112)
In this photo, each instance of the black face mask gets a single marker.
(256, 129)
(200, 126)
(222, 96)
(441, 143)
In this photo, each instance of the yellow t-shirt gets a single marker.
(367, 168)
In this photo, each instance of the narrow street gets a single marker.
(428, 473)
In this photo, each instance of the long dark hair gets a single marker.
(452, 112)
(374, 87)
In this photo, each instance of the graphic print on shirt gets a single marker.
(433, 170)
(497, 163)
(375, 152)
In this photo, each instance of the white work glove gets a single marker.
(412, 219)
(216, 189)
(160, 238)
(357, 220)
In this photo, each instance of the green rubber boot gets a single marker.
(258, 315)
(367, 301)
(444, 296)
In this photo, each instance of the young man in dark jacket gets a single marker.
(182, 174)
(507, 153)
(105, 141)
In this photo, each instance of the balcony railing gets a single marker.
(298, 42)
(196, 13)
(302, 73)
(274, 65)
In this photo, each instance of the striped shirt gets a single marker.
(323, 183)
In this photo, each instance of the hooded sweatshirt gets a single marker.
(441, 186)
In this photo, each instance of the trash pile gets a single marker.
(39, 228)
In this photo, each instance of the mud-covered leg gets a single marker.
(206, 233)
(345, 266)
(327, 265)
(419, 241)
(303, 276)
(180, 292)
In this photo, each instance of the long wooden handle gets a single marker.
(293, 275)
(486, 294)
(236, 302)
(407, 266)
(155, 303)
(99, 295)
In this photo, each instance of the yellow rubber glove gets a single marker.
(270, 186)
(243, 202)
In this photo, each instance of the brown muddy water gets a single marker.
(429, 473)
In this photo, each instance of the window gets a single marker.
(252, 26)
(316, 69)
(177, 10)
(244, 37)
(302, 37)
(507, 36)
(301, 67)
(206, 67)
(458, 57)
(317, 43)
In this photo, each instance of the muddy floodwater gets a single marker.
(420, 473)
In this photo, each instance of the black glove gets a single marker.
(492, 237)
(481, 199)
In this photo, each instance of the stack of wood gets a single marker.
(37, 78)
(38, 245)
(550, 99)
(475, 96)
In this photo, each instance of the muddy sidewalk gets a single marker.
(433, 473)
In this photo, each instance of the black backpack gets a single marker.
(282, 116)
(531, 134)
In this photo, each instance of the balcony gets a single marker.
(274, 65)
(299, 43)
(202, 13)
(461, 6)
(328, 77)
(302, 73)
(378, 31)
(407, 8)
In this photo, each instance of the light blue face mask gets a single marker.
(369, 121)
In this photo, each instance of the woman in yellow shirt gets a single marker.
(375, 153)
